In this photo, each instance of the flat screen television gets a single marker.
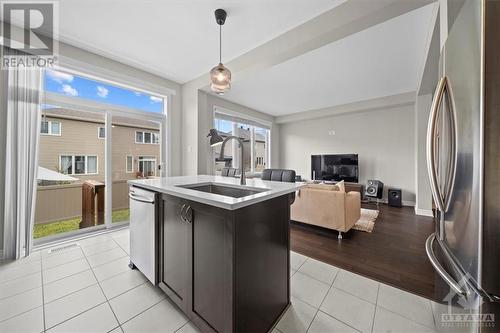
(335, 167)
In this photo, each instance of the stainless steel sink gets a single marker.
(228, 191)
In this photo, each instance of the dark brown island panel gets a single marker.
(228, 270)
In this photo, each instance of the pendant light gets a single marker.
(220, 76)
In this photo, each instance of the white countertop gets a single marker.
(170, 185)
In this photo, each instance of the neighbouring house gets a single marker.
(72, 143)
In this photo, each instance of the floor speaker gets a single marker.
(394, 197)
(374, 189)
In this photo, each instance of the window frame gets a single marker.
(99, 132)
(151, 136)
(87, 165)
(135, 139)
(131, 164)
(266, 159)
(155, 138)
(253, 123)
(86, 156)
(49, 128)
(147, 159)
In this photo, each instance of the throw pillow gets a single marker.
(341, 186)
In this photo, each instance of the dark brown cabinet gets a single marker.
(228, 270)
(174, 255)
(211, 264)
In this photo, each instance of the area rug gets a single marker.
(367, 220)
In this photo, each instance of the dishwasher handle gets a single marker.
(136, 197)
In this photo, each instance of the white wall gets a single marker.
(423, 103)
(424, 195)
(189, 123)
(3, 129)
(383, 139)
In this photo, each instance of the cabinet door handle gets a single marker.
(189, 218)
(182, 212)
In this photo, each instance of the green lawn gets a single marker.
(53, 228)
(121, 215)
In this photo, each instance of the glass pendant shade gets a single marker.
(220, 78)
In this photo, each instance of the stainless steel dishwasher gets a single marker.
(142, 232)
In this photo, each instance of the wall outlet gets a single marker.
(331, 132)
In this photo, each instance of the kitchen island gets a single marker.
(222, 252)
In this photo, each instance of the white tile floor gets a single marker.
(90, 288)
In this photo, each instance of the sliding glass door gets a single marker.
(91, 144)
(70, 172)
(136, 154)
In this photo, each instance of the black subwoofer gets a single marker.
(374, 189)
(394, 197)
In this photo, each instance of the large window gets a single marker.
(68, 84)
(102, 122)
(255, 137)
(78, 164)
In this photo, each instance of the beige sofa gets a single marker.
(327, 206)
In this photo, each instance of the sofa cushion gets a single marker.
(323, 187)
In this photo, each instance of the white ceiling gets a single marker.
(380, 61)
(178, 39)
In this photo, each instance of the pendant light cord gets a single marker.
(220, 43)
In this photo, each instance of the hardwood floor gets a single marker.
(394, 253)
